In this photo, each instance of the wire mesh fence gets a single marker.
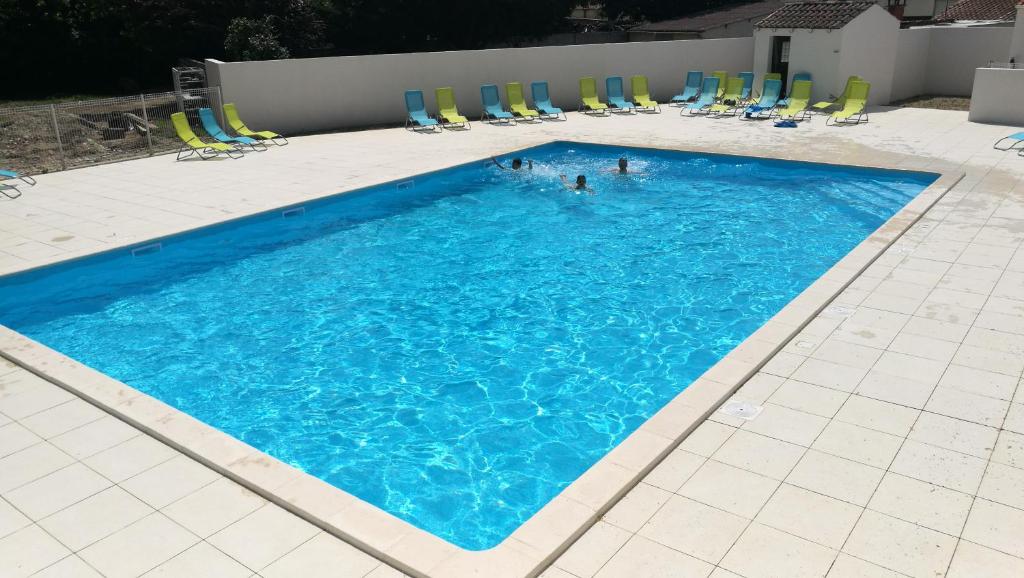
(46, 138)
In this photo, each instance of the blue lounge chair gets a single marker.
(6, 189)
(213, 129)
(708, 94)
(1017, 138)
(493, 111)
(542, 101)
(748, 85)
(416, 113)
(798, 76)
(693, 80)
(616, 96)
(765, 106)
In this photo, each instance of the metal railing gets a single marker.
(46, 138)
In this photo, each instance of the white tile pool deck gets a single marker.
(891, 443)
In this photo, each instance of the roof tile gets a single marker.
(816, 14)
(974, 10)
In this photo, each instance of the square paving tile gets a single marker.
(922, 503)
(95, 518)
(1009, 449)
(748, 491)
(859, 444)
(30, 464)
(205, 561)
(996, 526)
(139, 547)
(674, 470)
(974, 561)
(170, 481)
(693, 528)
(763, 552)
(836, 477)
(57, 491)
(583, 559)
(878, 415)
(786, 424)
(642, 557)
(263, 536)
(810, 515)
(62, 418)
(27, 551)
(954, 434)
(14, 437)
(901, 546)
(760, 454)
(637, 507)
(214, 507)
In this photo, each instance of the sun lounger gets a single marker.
(723, 79)
(236, 124)
(748, 86)
(616, 95)
(447, 112)
(1016, 138)
(416, 117)
(542, 101)
(799, 98)
(517, 102)
(694, 78)
(731, 100)
(213, 129)
(838, 102)
(708, 93)
(493, 111)
(9, 175)
(642, 94)
(589, 102)
(854, 109)
(798, 76)
(765, 106)
(192, 144)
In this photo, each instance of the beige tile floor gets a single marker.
(891, 441)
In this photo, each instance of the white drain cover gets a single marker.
(741, 409)
(839, 310)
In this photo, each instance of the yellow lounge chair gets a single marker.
(799, 97)
(838, 102)
(853, 111)
(447, 112)
(236, 124)
(517, 102)
(642, 95)
(195, 145)
(723, 80)
(733, 92)
(589, 102)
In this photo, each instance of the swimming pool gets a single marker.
(459, 348)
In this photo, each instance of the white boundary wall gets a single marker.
(318, 94)
(997, 96)
(942, 60)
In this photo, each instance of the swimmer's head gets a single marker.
(517, 163)
(623, 163)
(581, 181)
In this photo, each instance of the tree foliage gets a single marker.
(57, 47)
(655, 10)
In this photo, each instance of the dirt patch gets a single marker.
(937, 102)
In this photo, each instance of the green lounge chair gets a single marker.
(642, 94)
(854, 109)
(837, 102)
(731, 99)
(616, 95)
(213, 129)
(708, 93)
(492, 109)
(192, 144)
(542, 102)
(236, 124)
(517, 103)
(691, 89)
(447, 112)
(723, 79)
(799, 97)
(8, 175)
(798, 76)
(589, 102)
(416, 118)
(765, 106)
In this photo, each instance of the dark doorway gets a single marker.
(780, 59)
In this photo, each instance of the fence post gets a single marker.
(149, 130)
(56, 132)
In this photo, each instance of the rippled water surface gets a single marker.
(459, 350)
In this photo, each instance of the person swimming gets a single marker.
(517, 163)
(623, 168)
(579, 185)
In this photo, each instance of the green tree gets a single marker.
(253, 39)
(655, 10)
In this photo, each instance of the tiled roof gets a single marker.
(996, 10)
(714, 18)
(815, 14)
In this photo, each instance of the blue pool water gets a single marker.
(459, 349)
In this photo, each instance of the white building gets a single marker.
(831, 40)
